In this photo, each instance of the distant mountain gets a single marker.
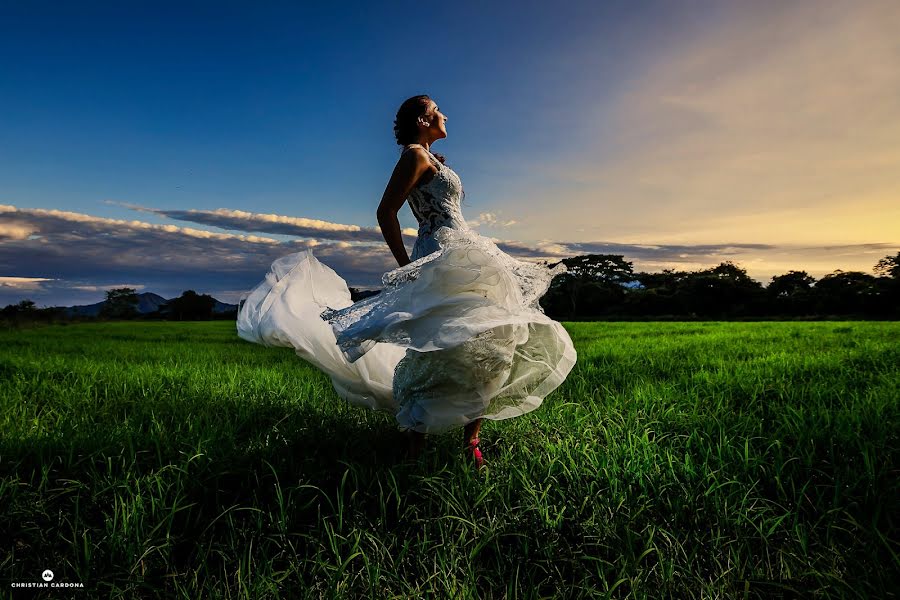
(221, 307)
(148, 302)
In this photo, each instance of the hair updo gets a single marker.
(406, 128)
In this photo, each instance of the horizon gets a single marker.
(189, 146)
(351, 287)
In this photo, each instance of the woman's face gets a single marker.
(438, 120)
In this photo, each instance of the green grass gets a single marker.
(678, 459)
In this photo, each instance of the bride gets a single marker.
(456, 335)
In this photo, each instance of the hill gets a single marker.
(148, 302)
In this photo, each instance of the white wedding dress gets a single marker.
(455, 335)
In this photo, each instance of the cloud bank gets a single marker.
(240, 220)
(59, 257)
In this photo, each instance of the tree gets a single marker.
(889, 266)
(728, 271)
(888, 285)
(846, 292)
(22, 308)
(600, 297)
(792, 292)
(668, 279)
(26, 306)
(604, 272)
(120, 303)
(722, 290)
(791, 284)
(190, 306)
(658, 294)
(611, 268)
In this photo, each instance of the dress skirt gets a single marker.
(453, 336)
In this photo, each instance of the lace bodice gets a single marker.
(435, 204)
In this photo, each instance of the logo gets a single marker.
(47, 575)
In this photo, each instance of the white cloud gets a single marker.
(119, 225)
(23, 283)
(490, 219)
(97, 288)
(15, 231)
(226, 218)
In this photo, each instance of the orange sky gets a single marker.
(780, 126)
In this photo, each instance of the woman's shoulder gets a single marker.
(418, 154)
(416, 148)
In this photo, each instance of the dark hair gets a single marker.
(405, 125)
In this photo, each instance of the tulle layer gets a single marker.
(464, 288)
(454, 336)
(283, 310)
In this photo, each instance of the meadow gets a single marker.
(707, 459)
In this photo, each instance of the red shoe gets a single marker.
(476, 453)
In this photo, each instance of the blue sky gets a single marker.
(679, 134)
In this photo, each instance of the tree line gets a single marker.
(605, 286)
(122, 303)
(598, 286)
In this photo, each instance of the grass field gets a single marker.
(677, 460)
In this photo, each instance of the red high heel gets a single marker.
(476, 453)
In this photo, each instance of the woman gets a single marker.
(455, 336)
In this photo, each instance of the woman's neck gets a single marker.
(424, 143)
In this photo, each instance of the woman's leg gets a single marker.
(416, 443)
(471, 441)
(471, 431)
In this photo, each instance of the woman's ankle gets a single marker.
(416, 442)
(471, 431)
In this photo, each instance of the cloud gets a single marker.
(775, 122)
(761, 261)
(83, 252)
(109, 286)
(71, 258)
(23, 283)
(14, 232)
(491, 220)
(240, 220)
(48, 222)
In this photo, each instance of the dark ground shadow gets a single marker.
(268, 471)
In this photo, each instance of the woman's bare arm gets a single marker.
(411, 166)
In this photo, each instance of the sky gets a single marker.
(168, 146)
